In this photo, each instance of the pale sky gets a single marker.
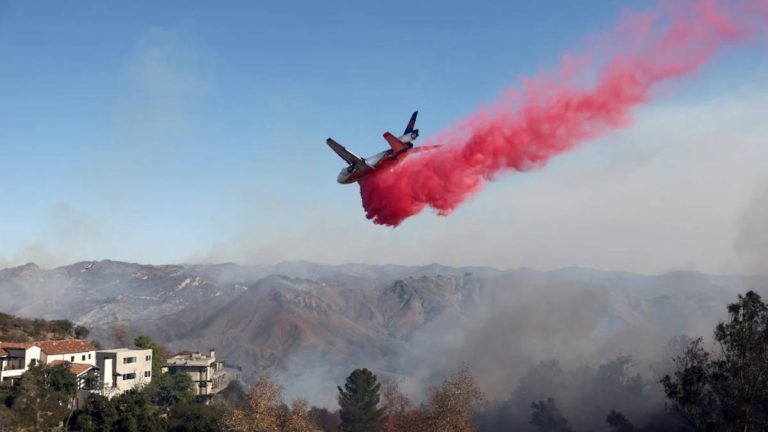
(194, 133)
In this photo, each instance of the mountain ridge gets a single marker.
(299, 316)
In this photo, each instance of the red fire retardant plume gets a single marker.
(555, 113)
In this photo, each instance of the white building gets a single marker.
(16, 357)
(70, 350)
(207, 373)
(123, 369)
(108, 372)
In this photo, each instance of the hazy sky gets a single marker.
(178, 131)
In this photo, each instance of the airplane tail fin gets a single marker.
(397, 145)
(405, 141)
(411, 124)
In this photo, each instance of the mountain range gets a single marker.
(312, 323)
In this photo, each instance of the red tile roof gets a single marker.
(79, 368)
(65, 346)
(74, 368)
(3, 352)
(17, 345)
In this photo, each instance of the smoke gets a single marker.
(161, 84)
(69, 234)
(556, 112)
(164, 82)
(594, 341)
(752, 238)
(520, 322)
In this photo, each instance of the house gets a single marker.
(208, 374)
(70, 350)
(16, 357)
(123, 369)
(108, 371)
(19, 356)
(86, 376)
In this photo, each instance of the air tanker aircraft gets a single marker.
(361, 167)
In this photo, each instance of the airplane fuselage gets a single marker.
(360, 167)
(353, 173)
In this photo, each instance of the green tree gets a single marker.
(234, 394)
(9, 421)
(726, 391)
(359, 402)
(327, 421)
(81, 332)
(99, 414)
(617, 422)
(6, 393)
(546, 417)
(137, 414)
(128, 412)
(689, 387)
(159, 352)
(168, 389)
(60, 328)
(38, 327)
(44, 396)
(196, 417)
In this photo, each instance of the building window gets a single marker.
(147, 374)
(129, 376)
(33, 362)
(89, 356)
(71, 359)
(83, 357)
(148, 358)
(127, 360)
(203, 384)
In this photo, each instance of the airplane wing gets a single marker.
(345, 154)
(425, 148)
(396, 144)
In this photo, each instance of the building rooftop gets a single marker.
(189, 358)
(64, 346)
(51, 347)
(17, 345)
(119, 350)
(74, 368)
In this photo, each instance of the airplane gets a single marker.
(361, 167)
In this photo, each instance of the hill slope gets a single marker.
(315, 322)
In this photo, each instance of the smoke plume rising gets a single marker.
(557, 111)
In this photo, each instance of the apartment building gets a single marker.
(208, 373)
(123, 369)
